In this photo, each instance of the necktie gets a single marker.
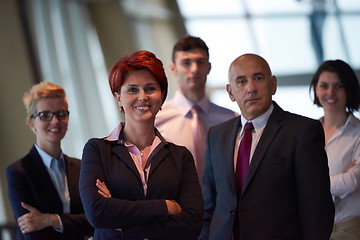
(243, 159)
(199, 134)
(242, 166)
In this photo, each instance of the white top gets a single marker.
(63, 193)
(343, 149)
(259, 124)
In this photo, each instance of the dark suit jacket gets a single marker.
(30, 182)
(287, 189)
(172, 176)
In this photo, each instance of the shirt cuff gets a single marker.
(61, 229)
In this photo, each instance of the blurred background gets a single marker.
(74, 43)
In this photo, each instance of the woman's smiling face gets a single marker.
(331, 92)
(140, 96)
(52, 131)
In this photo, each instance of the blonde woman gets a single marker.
(43, 185)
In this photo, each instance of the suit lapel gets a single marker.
(160, 155)
(43, 185)
(270, 131)
(72, 175)
(70, 172)
(122, 153)
(230, 140)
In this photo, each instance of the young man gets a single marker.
(186, 118)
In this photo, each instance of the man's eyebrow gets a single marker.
(240, 77)
(193, 59)
(259, 73)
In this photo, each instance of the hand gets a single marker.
(173, 207)
(103, 191)
(36, 220)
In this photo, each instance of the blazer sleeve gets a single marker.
(75, 223)
(19, 190)
(208, 191)
(316, 207)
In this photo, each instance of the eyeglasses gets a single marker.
(48, 116)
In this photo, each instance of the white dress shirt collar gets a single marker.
(117, 135)
(46, 158)
(351, 120)
(259, 122)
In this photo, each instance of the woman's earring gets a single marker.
(34, 130)
(122, 110)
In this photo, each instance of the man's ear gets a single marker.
(209, 68)
(172, 68)
(274, 87)
(228, 89)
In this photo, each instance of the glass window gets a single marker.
(350, 24)
(280, 31)
(285, 44)
(206, 8)
(228, 33)
(348, 5)
(287, 7)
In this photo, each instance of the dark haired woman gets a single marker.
(336, 90)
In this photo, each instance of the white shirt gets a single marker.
(64, 196)
(343, 149)
(259, 124)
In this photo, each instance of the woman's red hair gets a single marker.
(137, 61)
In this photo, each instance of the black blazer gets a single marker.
(172, 176)
(287, 189)
(30, 182)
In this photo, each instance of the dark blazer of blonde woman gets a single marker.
(30, 182)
